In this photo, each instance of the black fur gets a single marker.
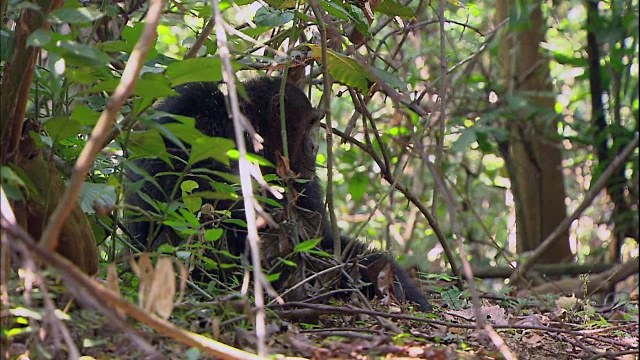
(205, 103)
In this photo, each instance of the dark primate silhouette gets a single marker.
(206, 103)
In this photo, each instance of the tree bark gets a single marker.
(533, 155)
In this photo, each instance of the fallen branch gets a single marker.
(594, 283)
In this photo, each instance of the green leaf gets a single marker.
(215, 195)
(131, 35)
(289, 262)
(191, 201)
(62, 127)
(255, 32)
(213, 234)
(209, 264)
(273, 277)
(178, 132)
(39, 38)
(390, 78)
(206, 147)
(272, 17)
(335, 9)
(467, 137)
(572, 60)
(12, 183)
(79, 15)
(394, 8)
(358, 185)
(234, 154)
(154, 86)
(281, 4)
(147, 144)
(343, 68)
(239, 222)
(100, 194)
(190, 217)
(188, 186)
(79, 54)
(85, 116)
(307, 246)
(196, 69)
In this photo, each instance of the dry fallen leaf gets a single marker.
(567, 303)
(113, 281)
(163, 288)
(144, 269)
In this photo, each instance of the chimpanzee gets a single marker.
(261, 106)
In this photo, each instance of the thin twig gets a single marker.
(244, 165)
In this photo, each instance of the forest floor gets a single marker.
(558, 328)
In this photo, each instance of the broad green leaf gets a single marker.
(39, 38)
(93, 193)
(12, 183)
(394, 8)
(255, 32)
(462, 144)
(184, 132)
(154, 86)
(147, 144)
(206, 147)
(190, 217)
(390, 78)
(196, 69)
(79, 15)
(114, 46)
(188, 186)
(62, 127)
(131, 35)
(335, 9)
(210, 264)
(85, 116)
(213, 234)
(192, 202)
(343, 68)
(358, 185)
(234, 154)
(272, 17)
(79, 54)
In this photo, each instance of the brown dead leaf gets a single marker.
(529, 320)
(163, 289)
(534, 339)
(144, 269)
(113, 281)
(495, 314)
(567, 303)
(415, 351)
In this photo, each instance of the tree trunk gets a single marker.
(534, 153)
